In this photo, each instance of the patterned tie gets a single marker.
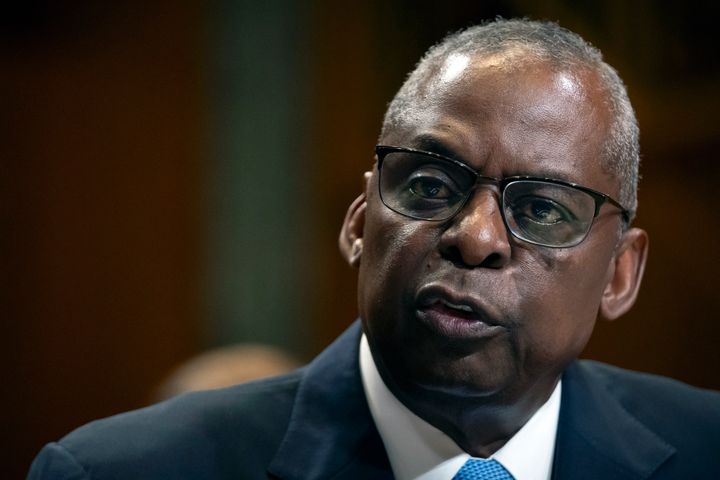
(478, 469)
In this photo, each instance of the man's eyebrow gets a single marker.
(430, 143)
(548, 174)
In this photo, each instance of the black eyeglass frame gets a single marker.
(600, 198)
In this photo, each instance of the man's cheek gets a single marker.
(395, 248)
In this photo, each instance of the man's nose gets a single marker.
(477, 236)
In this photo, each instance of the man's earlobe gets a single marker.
(626, 274)
(351, 233)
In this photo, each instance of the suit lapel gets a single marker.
(331, 433)
(597, 437)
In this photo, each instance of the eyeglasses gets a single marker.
(543, 211)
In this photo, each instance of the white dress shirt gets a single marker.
(417, 450)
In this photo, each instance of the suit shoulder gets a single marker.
(629, 383)
(665, 403)
(210, 433)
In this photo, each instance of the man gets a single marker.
(494, 227)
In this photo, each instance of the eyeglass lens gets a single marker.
(537, 211)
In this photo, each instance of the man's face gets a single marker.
(533, 307)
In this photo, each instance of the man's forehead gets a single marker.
(508, 58)
(513, 63)
(458, 65)
(518, 68)
(485, 81)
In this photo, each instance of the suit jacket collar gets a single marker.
(331, 433)
(597, 437)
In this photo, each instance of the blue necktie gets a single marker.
(477, 469)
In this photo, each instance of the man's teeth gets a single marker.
(464, 308)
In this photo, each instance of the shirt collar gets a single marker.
(418, 450)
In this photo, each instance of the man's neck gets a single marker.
(480, 425)
(417, 449)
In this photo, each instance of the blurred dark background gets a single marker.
(173, 177)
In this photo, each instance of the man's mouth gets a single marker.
(458, 310)
(454, 316)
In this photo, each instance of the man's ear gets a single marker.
(351, 233)
(626, 274)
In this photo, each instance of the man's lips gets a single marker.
(443, 307)
(454, 315)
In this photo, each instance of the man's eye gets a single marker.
(430, 187)
(542, 211)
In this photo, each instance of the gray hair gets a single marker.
(548, 42)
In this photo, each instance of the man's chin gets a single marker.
(445, 383)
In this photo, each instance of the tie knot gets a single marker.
(478, 469)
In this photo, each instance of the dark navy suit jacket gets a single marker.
(315, 424)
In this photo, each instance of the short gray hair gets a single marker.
(545, 41)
